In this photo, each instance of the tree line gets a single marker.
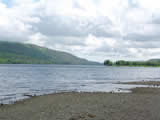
(131, 63)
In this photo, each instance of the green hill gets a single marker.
(154, 60)
(18, 53)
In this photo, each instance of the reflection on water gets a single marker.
(17, 80)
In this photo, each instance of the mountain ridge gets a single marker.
(20, 53)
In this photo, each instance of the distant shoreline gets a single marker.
(149, 63)
(131, 66)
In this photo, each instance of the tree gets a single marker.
(108, 62)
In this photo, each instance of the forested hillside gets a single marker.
(18, 53)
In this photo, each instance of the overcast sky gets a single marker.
(91, 29)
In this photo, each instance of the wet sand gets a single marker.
(142, 104)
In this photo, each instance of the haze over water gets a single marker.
(17, 80)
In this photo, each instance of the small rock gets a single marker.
(73, 118)
(91, 115)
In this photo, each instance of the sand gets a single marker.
(142, 104)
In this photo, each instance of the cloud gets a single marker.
(71, 26)
(91, 29)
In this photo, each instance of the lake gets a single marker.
(17, 80)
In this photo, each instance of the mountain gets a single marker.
(18, 53)
(154, 60)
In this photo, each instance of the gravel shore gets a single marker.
(142, 104)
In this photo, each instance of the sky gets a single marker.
(91, 29)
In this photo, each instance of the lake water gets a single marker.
(17, 80)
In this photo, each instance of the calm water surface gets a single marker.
(17, 80)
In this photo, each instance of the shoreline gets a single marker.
(142, 103)
(136, 90)
(147, 84)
